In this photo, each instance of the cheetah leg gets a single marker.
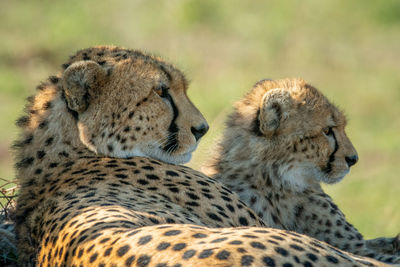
(389, 245)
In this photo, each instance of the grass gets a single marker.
(348, 49)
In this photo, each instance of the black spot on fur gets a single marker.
(298, 210)
(296, 247)
(145, 239)
(192, 196)
(148, 167)
(332, 259)
(123, 250)
(107, 252)
(129, 261)
(205, 253)
(179, 246)
(121, 176)
(243, 221)
(188, 254)
(93, 257)
(246, 260)
(23, 121)
(54, 79)
(171, 173)
(48, 141)
(143, 261)
(42, 124)
(26, 141)
(172, 233)
(223, 255)
(268, 261)
(214, 217)
(142, 182)
(257, 245)
(282, 251)
(40, 154)
(26, 162)
(53, 165)
(104, 240)
(218, 240)
(152, 177)
(199, 235)
(47, 105)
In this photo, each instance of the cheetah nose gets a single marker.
(351, 160)
(199, 131)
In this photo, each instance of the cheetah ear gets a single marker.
(273, 110)
(80, 80)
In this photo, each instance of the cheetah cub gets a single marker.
(283, 139)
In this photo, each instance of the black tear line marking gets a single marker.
(172, 143)
(328, 167)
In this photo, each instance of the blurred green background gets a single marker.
(348, 49)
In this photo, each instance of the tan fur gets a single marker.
(85, 200)
(282, 140)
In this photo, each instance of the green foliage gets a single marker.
(348, 49)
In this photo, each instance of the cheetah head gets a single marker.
(130, 104)
(295, 129)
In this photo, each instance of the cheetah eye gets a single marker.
(328, 131)
(162, 90)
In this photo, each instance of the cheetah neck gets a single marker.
(262, 183)
(242, 159)
(49, 137)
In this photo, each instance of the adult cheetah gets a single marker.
(98, 187)
(282, 140)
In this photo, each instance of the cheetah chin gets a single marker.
(156, 153)
(300, 176)
(331, 180)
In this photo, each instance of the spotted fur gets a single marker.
(282, 140)
(97, 188)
